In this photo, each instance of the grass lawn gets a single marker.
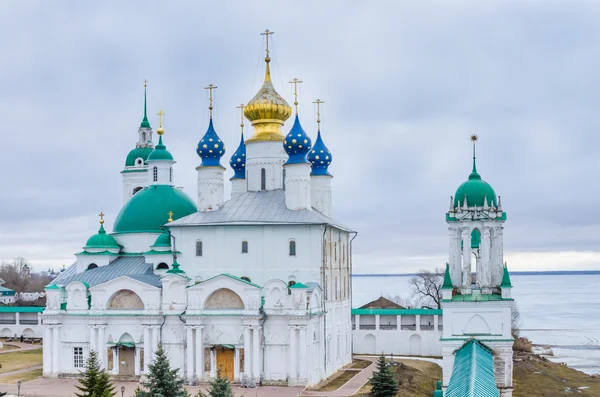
(8, 347)
(340, 380)
(23, 377)
(359, 364)
(20, 359)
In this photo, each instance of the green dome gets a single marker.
(164, 240)
(102, 240)
(476, 190)
(160, 152)
(148, 209)
(140, 152)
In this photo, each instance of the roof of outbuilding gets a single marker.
(473, 372)
(251, 208)
(382, 303)
(133, 267)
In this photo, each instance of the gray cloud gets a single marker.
(404, 85)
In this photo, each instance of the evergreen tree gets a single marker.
(220, 387)
(162, 380)
(384, 382)
(95, 382)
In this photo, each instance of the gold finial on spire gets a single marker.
(101, 215)
(210, 89)
(295, 83)
(242, 117)
(266, 34)
(170, 213)
(319, 102)
(145, 83)
(160, 129)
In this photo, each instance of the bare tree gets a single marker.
(16, 274)
(405, 302)
(427, 288)
(515, 322)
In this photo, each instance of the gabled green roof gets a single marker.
(298, 285)
(52, 286)
(473, 372)
(447, 280)
(506, 279)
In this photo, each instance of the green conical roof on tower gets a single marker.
(506, 278)
(175, 268)
(447, 279)
(145, 123)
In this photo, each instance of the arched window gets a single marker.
(263, 179)
(292, 248)
(290, 283)
(246, 279)
(155, 174)
(92, 266)
(170, 174)
(244, 247)
(137, 189)
(162, 266)
(199, 248)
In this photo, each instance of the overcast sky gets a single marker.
(404, 83)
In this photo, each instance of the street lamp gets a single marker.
(18, 388)
(122, 390)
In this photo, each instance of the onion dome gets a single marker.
(238, 160)
(160, 152)
(297, 144)
(145, 212)
(102, 240)
(320, 157)
(210, 148)
(164, 240)
(267, 111)
(140, 153)
(475, 190)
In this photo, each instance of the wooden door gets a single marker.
(126, 361)
(225, 359)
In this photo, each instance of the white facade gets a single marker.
(15, 323)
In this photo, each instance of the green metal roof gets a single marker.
(139, 152)
(473, 372)
(6, 291)
(148, 209)
(298, 285)
(475, 190)
(102, 240)
(506, 278)
(21, 309)
(447, 280)
(476, 298)
(164, 240)
(397, 312)
(160, 152)
(175, 268)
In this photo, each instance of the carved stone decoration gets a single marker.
(125, 299)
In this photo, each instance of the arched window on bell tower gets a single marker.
(263, 179)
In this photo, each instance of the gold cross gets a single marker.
(160, 116)
(319, 102)
(145, 83)
(101, 215)
(210, 88)
(170, 213)
(242, 116)
(266, 34)
(295, 83)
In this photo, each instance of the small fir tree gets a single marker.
(95, 382)
(220, 387)
(384, 382)
(162, 380)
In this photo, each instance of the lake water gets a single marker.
(560, 311)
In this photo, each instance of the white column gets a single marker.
(101, 346)
(115, 370)
(55, 349)
(213, 363)
(190, 353)
(398, 322)
(256, 353)
(247, 353)
(199, 353)
(17, 319)
(302, 351)
(155, 340)
(93, 338)
(377, 321)
(436, 322)
(418, 322)
(485, 279)
(147, 348)
(136, 356)
(499, 267)
(357, 321)
(46, 350)
(466, 241)
(236, 364)
(292, 350)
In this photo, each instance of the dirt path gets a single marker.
(352, 386)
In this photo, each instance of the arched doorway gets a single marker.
(370, 344)
(225, 361)
(126, 355)
(414, 345)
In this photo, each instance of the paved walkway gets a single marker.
(20, 371)
(21, 347)
(352, 386)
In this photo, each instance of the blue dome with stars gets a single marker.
(238, 161)
(320, 157)
(210, 148)
(296, 144)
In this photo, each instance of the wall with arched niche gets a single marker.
(224, 298)
(125, 299)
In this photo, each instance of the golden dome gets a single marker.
(267, 111)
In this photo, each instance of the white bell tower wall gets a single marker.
(264, 165)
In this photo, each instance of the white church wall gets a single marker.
(136, 242)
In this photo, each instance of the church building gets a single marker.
(255, 289)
